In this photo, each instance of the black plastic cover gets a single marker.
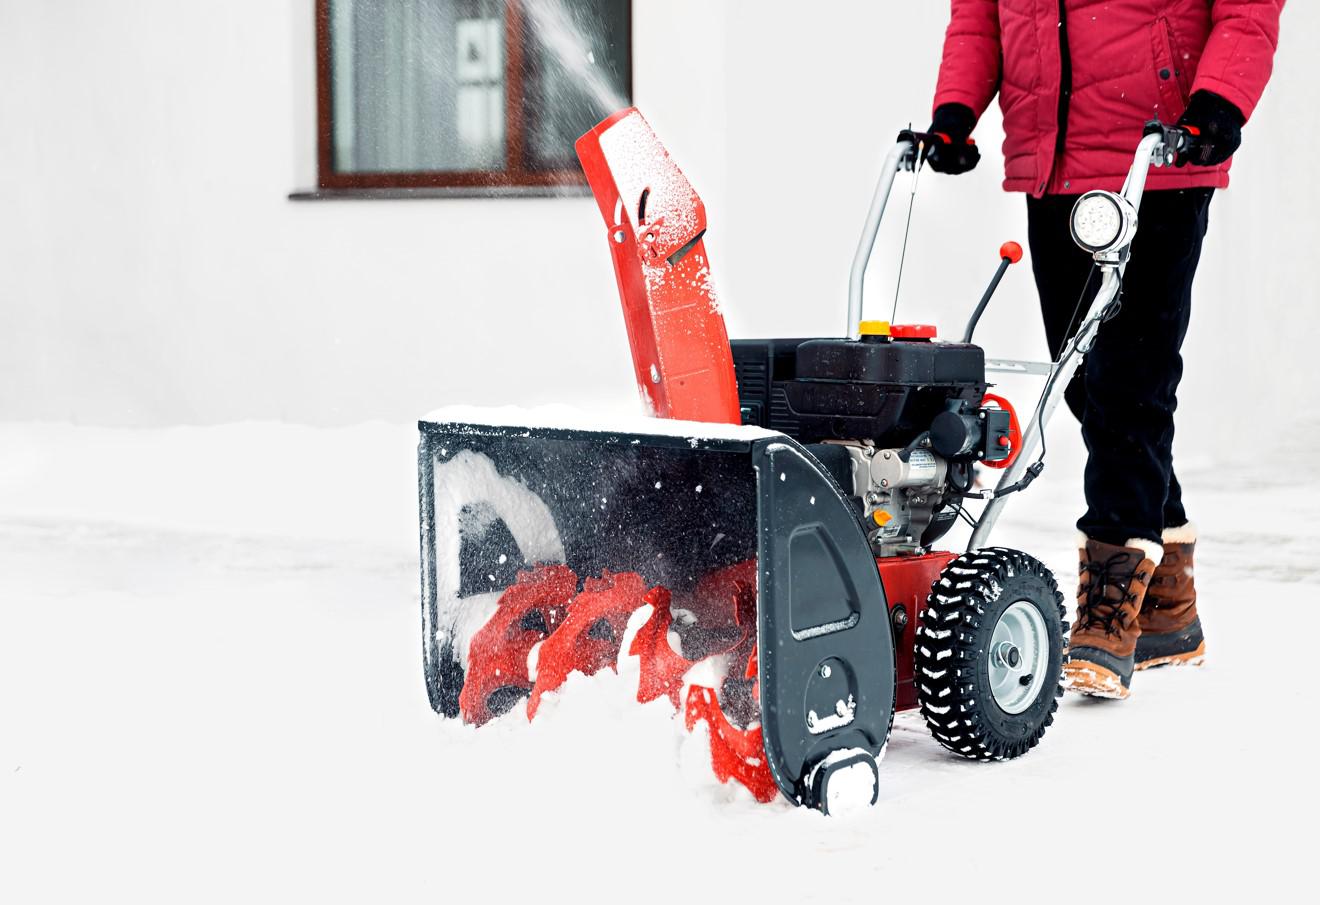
(762, 368)
(841, 389)
(824, 639)
(891, 362)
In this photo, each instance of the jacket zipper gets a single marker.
(1065, 80)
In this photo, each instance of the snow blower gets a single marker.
(772, 525)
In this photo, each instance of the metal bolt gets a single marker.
(900, 618)
(825, 670)
(888, 455)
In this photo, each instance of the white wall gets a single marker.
(152, 270)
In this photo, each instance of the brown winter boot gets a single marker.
(1170, 629)
(1110, 591)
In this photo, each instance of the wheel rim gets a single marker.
(1019, 651)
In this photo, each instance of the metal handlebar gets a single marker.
(1160, 146)
(902, 157)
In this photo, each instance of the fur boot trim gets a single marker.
(1185, 534)
(1154, 552)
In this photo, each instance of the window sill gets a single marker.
(464, 191)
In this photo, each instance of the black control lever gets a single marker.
(1009, 254)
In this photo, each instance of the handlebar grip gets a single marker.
(1189, 141)
(1182, 140)
(928, 139)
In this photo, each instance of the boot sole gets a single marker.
(1190, 658)
(1093, 680)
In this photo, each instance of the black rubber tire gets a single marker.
(953, 646)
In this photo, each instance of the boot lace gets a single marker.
(1100, 608)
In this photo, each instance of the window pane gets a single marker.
(417, 85)
(577, 66)
(421, 86)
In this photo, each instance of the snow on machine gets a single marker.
(773, 526)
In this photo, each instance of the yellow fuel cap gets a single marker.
(873, 328)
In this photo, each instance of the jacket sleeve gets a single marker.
(1239, 54)
(970, 69)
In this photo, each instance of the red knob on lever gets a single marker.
(1010, 252)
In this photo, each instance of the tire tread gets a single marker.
(947, 652)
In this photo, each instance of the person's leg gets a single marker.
(1175, 516)
(1064, 280)
(1066, 283)
(1132, 376)
(1125, 396)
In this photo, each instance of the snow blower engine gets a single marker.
(763, 542)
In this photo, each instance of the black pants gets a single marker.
(1125, 393)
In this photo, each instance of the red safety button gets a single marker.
(1005, 442)
(912, 331)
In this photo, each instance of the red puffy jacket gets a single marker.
(1078, 79)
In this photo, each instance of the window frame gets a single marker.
(514, 179)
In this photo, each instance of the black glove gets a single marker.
(1219, 125)
(958, 154)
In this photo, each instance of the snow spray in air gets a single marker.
(558, 33)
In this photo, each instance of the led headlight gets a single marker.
(1103, 222)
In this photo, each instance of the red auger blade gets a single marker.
(591, 634)
(526, 615)
(583, 632)
(734, 753)
(662, 668)
(727, 597)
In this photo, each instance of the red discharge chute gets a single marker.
(583, 632)
(655, 223)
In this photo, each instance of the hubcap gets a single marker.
(1019, 647)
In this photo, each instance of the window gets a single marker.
(486, 96)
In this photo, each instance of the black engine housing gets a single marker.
(875, 388)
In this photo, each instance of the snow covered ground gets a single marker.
(211, 690)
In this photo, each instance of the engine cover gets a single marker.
(877, 388)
